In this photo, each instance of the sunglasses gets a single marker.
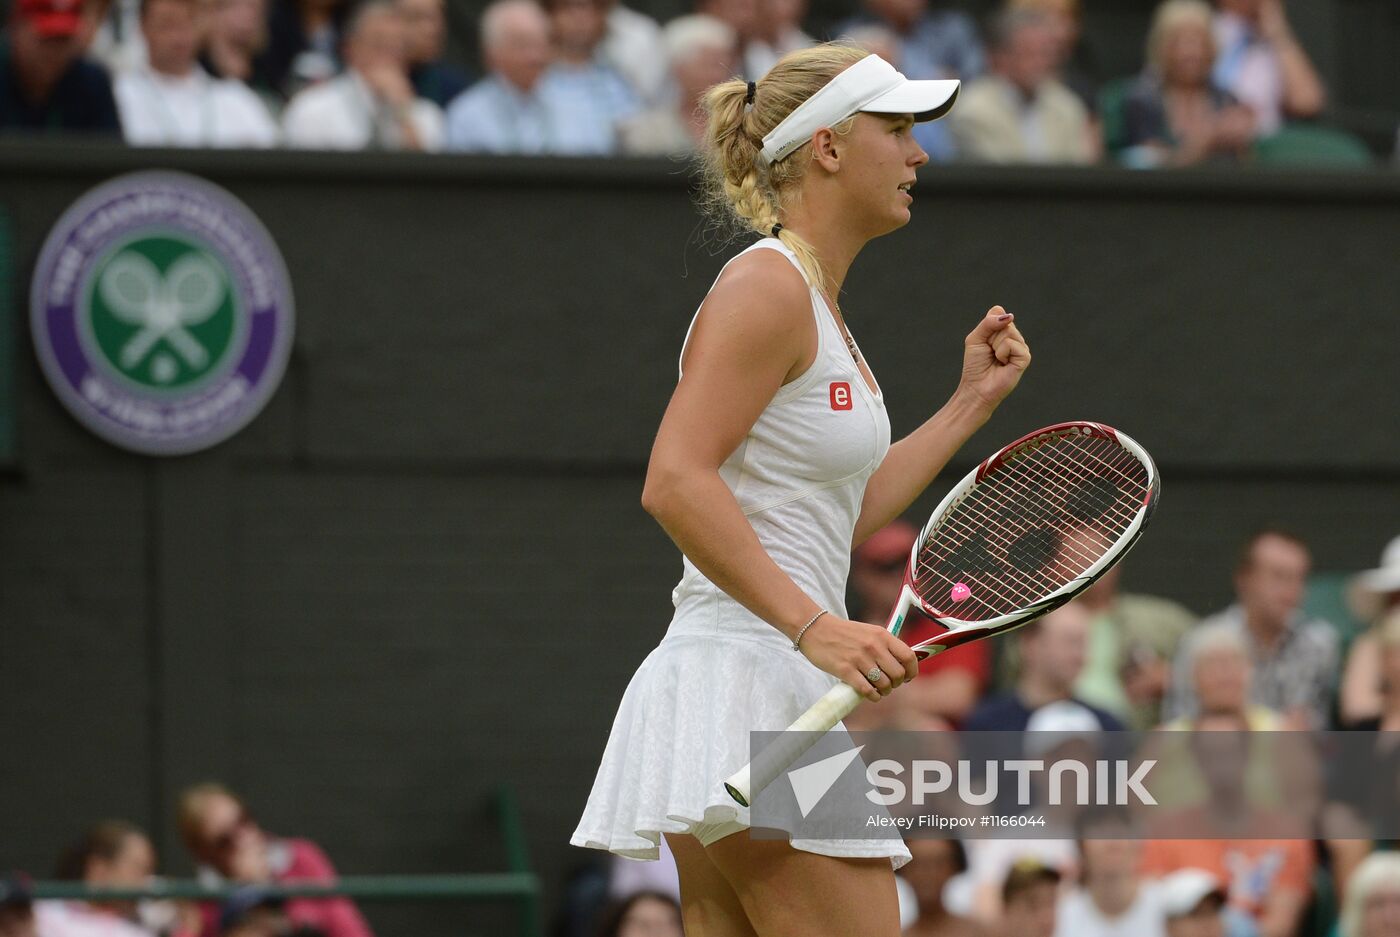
(224, 842)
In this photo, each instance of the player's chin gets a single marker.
(898, 217)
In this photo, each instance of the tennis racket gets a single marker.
(1021, 535)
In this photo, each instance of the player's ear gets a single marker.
(824, 150)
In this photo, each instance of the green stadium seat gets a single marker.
(1311, 145)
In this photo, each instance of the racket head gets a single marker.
(1026, 531)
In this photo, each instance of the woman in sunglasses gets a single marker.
(228, 844)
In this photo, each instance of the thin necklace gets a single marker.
(845, 332)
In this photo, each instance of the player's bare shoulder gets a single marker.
(763, 279)
(762, 303)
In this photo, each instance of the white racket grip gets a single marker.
(748, 781)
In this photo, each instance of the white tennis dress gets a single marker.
(721, 672)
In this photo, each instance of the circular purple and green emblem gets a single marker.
(162, 313)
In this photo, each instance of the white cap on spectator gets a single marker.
(1068, 720)
(1365, 589)
(1182, 892)
(689, 35)
(871, 85)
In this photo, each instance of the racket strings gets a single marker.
(978, 498)
(1055, 489)
(1030, 571)
(1038, 521)
(1076, 485)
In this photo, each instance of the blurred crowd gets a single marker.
(1233, 683)
(1223, 82)
(227, 846)
(1226, 690)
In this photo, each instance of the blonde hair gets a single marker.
(1171, 16)
(1389, 628)
(739, 190)
(191, 807)
(1378, 871)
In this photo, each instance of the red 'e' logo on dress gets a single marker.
(840, 395)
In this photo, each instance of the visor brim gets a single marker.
(926, 100)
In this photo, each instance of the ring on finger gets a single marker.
(874, 674)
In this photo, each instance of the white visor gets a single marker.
(872, 85)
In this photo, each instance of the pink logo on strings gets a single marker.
(960, 592)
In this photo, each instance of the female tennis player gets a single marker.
(773, 460)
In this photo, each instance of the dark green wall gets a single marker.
(424, 570)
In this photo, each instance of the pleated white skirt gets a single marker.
(683, 726)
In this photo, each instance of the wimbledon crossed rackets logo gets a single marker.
(161, 313)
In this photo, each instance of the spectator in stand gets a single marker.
(1053, 651)
(955, 678)
(303, 45)
(644, 914)
(117, 43)
(372, 105)
(1295, 657)
(700, 50)
(1029, 897)
(1263, 65)
(588, 89)
(632, 45)
(934, 863)
(779, 31)
(1373, 795)
(227, 843)
(745, 18)
(1020, 112)
(1173, 114)
(425, 23)
(1386, 635)
(879, 40)
(112, 854)
(932, 44)
(252, 913)
(172, 101)
(1112, 899)
(1220, 673)
(1372, 596)
(1371, 907)
(1132, 641)
(16, 908)
(1077, 66)
(1194, 905)
(235, 33)
(512, 109)
(1058, 731)
(46, 86)
(1259, 852)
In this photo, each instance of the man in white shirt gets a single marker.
(171, 101)
(1112, 899)
(1019, 112)
(371, 105)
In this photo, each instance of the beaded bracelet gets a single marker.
(797, 641)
